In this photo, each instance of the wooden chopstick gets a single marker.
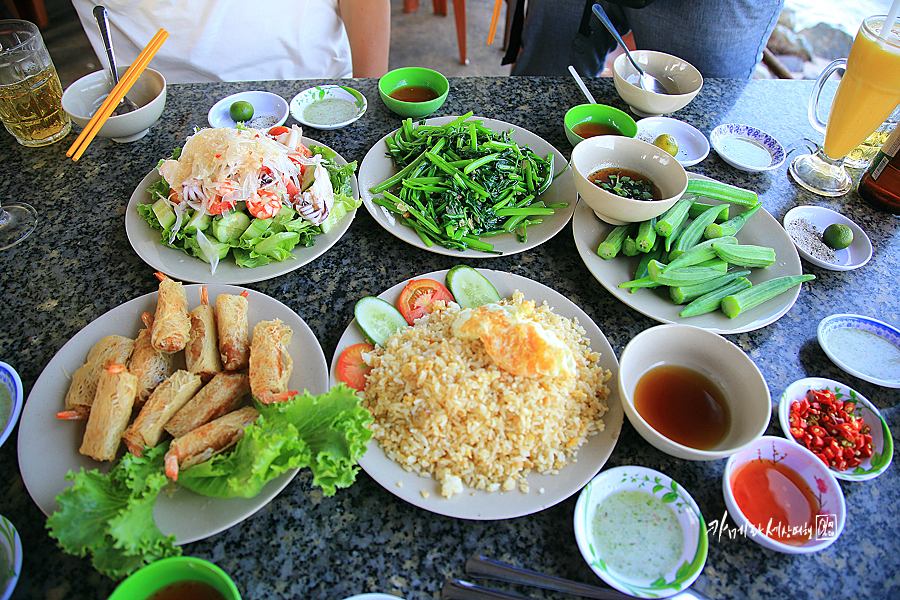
(115, 96)
(494, 18)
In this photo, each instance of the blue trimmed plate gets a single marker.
(10, 379)
(747, 148)
(862, 346)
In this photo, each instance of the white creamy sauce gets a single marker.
(746, 151)
(638, 535)
(866, 352)
(5, 405)
(330, 111)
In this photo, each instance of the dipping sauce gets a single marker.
(188, 590)
(414, 93)
(865, 352)
(638, 535)
(330, 111)
(626, 183)
(776, 500)
(592, 128)
(746, 151)
(683, 405)
(5, 406)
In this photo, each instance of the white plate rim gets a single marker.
(376, 167)
(874, 326)
(218, 115)
(651, 127)
(189, 516)
(860, 247)
(768, 141)
(589, 231)
(299, 103)
(179, 265)
(789, 396)
(477, 504)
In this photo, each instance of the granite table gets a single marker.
(78, 265)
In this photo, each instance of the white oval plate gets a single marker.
(48, 447)
(546, 490)
(307, 97)
(887, 332)
(852, 257)
(692, 145)
(696, 541)
(762, 229)
(265, 104)
(376, 167)
(738, 145)
(882, 443)
(184, 267)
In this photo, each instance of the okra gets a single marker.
(745, 255)
(672, 219)
(642, 272)
(687, 293)
(737, 303)
(710, 301)
(670, 240)
(722, 191)
(693, 232)
(682, 276)
(646, 235)
(699, 207)
(629, 246)
(731, 226)
(611, 246)
(700, 252)
(638, 282)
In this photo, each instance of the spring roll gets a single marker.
(205, 442)
(110, 413)
(234, 331)
(223, 394)
(270, 363)
(202, 351)
(148, 364)
(171, 323)
(147, 429)
(112, 349)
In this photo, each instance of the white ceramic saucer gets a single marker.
(870, 352)
(747, 148)
(852, 257)
(265, 104)
(692, 144)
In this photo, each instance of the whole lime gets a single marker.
(241, 111)
(837, 236)
(667, 142)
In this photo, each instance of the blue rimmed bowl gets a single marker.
(9, 414)
(10, 558)
(328, 106)
(862, 346)
(747, 148)
(688, 520)
(882, 442)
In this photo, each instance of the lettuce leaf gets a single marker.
(327, 433)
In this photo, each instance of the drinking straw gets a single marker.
(888, 26)
(496, 16)
(118, 92)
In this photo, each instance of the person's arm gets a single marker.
(368, 24)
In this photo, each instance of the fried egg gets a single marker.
(518, 344)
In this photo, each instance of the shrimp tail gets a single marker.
(172, 466)
(271, 398)
(72, 415)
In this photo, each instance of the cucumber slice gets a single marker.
(229, 226)
(164, 214)
(378, 319)
(470, 288)
(198, 221)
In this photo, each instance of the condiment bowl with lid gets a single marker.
(175, 572)
(84, 97)
(691, 393)
(622, 154)
(413, 91)
(641, 532)
(597, 119)
(681, 78)
(11, 400)
(808, 513)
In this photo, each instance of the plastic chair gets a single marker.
(440, 8)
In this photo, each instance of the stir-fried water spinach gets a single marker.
(461, 182)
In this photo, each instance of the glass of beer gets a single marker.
(868, 92)
(30, 92)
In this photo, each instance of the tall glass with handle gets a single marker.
(869, 91)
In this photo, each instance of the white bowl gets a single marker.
(869, 354)
(84, 97)
(747, 148)
(832, 507)
(10, 379)
(266, 105)
(605, 151)
(882, 442)
(693, 146)
(347, 105)
(11, 547)
(675, 73)
(684, 571)
(743, 386)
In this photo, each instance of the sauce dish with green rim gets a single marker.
(413, 78)
(599, 116)
(156, 576)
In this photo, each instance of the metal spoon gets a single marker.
(581, 86)
(125, 105)
(647, 82)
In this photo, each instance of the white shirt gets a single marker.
(214, 40)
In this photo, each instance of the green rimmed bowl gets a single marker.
(683, 571)
(882, 442)
(170, 571)
(600, 114)
(328, 106)
(418, 76)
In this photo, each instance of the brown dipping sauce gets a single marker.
(605, 178)
(591, 129)
(414, 93)
(188, 590)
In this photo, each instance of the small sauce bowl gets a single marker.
(601, 115)
(328, 106)
(413, 76)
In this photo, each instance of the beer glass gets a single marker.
(868, 92)
(30, 92)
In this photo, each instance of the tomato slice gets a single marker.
(278, 130)
(418, 297)
(351, 368)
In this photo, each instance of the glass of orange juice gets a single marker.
(868, 92)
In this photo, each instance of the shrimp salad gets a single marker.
(252, 194)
